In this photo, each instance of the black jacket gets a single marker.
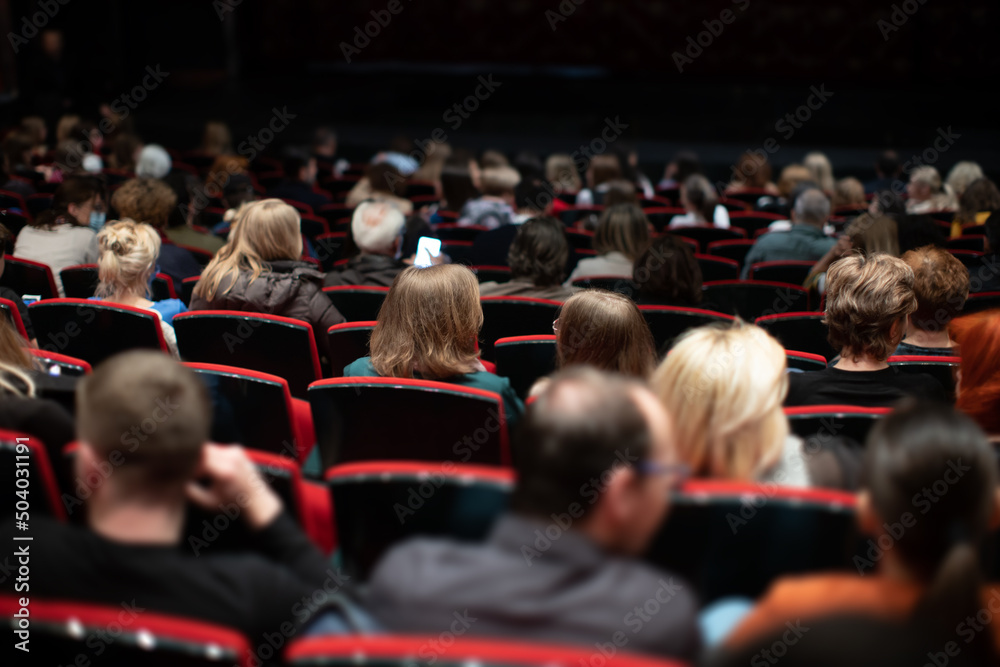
(374, 270)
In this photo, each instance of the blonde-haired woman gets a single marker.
(260, 270)
(724, 387)
(428, 328)
(821, 171)
(126, 266)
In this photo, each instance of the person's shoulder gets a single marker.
(360, 368)
(414, 568)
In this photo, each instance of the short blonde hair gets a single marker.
(561, 173)
(849, 192)
(865, 296)
(724, 388)
(941, 283)
(429, 322)
(498, 181)
(605, 330)
(148, 200)
(128, 258)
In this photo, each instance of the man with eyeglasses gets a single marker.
(595, 465)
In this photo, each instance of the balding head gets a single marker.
(812, 207)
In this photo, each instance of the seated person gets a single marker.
(926, 193)
(941, 284)
(259, 270)
(151, 201)
(667, 274)
(428, 328)
(986, 277)
(533, 199)
(126, 267)
(701, 202)
(300, 175)
(133, 546)
(725, 386)
(495, 206)
(804, 241)
(559, 566)
(382, 182)
(537, 261)
(66, 233)
(8, 293)
(622, 235)
(377, 230)
(603, 169)
(180, 229)
(978, 336)
(867, 302)
(932, 559)
(605, 330)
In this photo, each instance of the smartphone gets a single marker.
(427, 248)
(29, 299)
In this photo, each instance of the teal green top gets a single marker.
(512, 406)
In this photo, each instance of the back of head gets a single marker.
(605, 330)
(128, 258)
(790, 177)
(622, 228)
(386, 178)
(725, 387)
(561, 172)
(293, 161)
(819, 166)
(605, 167)
(154, 162)
(17, 146)
(217, 138)
(916, 231)
(532, 194)
(752, 170)
(15, 361)
(580, 427)
(148, 200)
(962, 175)
(700, 196)
(978, 336)
(528, 165)
(428, 323)
(668, 271)
(456, 181)
(539, 251)
(849, 192)
(941, 284)
(887, 164)
(688, 164)
(980, 195)
(76, 190)
(870, 234)
(928, 176)
(146, 414)
(812, 207)
(375, 227)
(620, 191)
(865, 296)
(125, 149)
(499, 181)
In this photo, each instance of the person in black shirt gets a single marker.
(143, 423)
(867, 302)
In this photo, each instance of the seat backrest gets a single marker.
(705, 234)
(734, 539)
(38, 494)
(979, 301)
(525, 359)
(272, 344)
(79, 281)
(349, 341)
(94, 330)
(330, 248)
(751, 299)
(376, 418)
(619, 284)
(250, 408)
(187, 289)
(790, 271)
(499, 274)
(357, 303)
(9, 310)
(735, 250)
(832, 421)
(67, 365)
(380, 503)
(27, 277)
(668, 322)
(506, 316)
(162, 287)
(461, 252)
(717, 268)
(452, 231)
(61, 632)
(805, 361)
(943, 369)
(805, 332)
(399, 651)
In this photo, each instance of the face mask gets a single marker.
(97, 220)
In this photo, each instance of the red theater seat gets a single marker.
(349, 341)
(751, 299)
(357, 303)
(25, 276)
(506, 316)
(40, 494)
(799, 331)
(525, 359)
(9, 310)
(668, 322)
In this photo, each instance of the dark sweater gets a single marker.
(873, 389)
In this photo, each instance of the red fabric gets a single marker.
(361, 468)
(317, 511)
(305, 431)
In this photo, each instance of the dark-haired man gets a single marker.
(300, 174)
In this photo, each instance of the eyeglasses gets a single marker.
(555, 326)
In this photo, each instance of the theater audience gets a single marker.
(701, 202)
(595, 463)
(820, 170)
(217, 139)
(978, 336)
(126, 267)
(180, 223)
(602, 169)
(562, 174)
(941, 285)
(622, 235)
(667, 274)
(151, 201)
(725, 387)
(495, 206)
(932, 565)
(8, 293)
(866, 234)
(458, 182)
(868, 300)
(751, 173)
(926, 193)
(887, 174)
(537, 261)
(383, 182)
(962, 175)
(849, 192)
(259, 270)
(804, 241)
(978, 201)
(428, 328)
(300, 175)
(66, 233)
(377, 230)
(133, 546)
(680, 167)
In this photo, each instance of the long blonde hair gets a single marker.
(264, 231)
(14, 361)
(429, 323)
(724, 387)
(128, 258)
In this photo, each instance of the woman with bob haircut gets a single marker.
(725, 387)
(979, 380)
(932, 570)
(868, 299)
(259, 270)
(701, 202)
(621, 236)
(537, 261)
(941, 284)
(428, 328)
(126, 267)
(667, 274)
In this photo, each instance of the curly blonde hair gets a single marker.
(128, 258)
